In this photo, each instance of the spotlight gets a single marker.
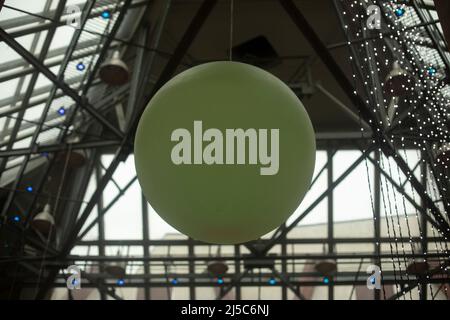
(326, 267)
(398, 81)
(114, 71)
(80, 66)
(117, 268)
(61, 111)
(106, 14)
(217, 268)
(44, 222)
(418, 268)
(399, 12)
(431, 71)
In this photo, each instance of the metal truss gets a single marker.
(376, 143)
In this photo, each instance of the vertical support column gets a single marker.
(101, 226)
(376, 216)
(330, 216)
(146, 247)
(237, 270)
(284, 265)
(191, 269)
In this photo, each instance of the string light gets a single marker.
(106, 14)
(61, 111)
(399, 12)
(80, 66)
(424, 95)
(431, 71)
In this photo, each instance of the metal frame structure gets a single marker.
(380, 145)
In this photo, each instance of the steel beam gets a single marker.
(181, 49)
(420, 208)
(432, 30)
(104, 210)
(63, 21)
(345, 84)
(164, 284)
(288, 284)
(174, 242)
(122, 152)
(58, 147)
(237, 279)
(429, 279)
(81, 101)
(17, 47)
(283, 231)
(312, 256)
(443, 10)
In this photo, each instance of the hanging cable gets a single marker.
(231, 28)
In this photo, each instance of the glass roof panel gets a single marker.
(35, 6)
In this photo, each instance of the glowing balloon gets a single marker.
(225, 152)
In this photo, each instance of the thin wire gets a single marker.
(407, 216)
(123, 41)
(231, 28)
(389, 231)
(371, 193)
(356, 278)
(398, 225)
(435, 192)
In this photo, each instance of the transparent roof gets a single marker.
(54, 32)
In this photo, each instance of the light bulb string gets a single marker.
(436, 194)
(419, 224)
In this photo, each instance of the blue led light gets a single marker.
(326, 280)
(272, 281)
(219, 280)
(61, 111)
(120, 282)
(174, 281)
(80, 66)
(106, 14)
(399, 12)
(431, 71)
(29, 189)
(16, 218)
